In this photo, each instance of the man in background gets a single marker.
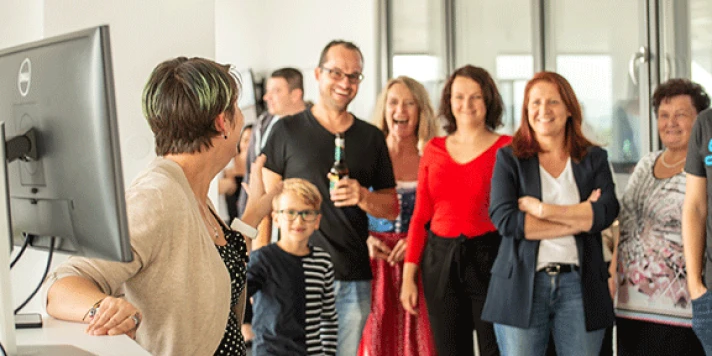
(284, 95)
(697, 226)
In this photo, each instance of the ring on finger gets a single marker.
(136, 319)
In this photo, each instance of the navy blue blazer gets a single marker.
(511, 289)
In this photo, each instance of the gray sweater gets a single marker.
(177, 279)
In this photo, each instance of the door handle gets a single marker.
(669, 68)
(639, 57)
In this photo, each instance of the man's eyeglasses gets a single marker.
(307, 215)
(337, 74)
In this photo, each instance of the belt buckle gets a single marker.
(553, 269)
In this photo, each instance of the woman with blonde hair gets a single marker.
(404, 114)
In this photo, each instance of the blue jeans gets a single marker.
(353, 303)
(557, 309)
(702, 320)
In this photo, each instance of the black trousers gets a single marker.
(637, 337)
(456, 275)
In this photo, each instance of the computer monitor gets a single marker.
(63, 88)
(61, 176)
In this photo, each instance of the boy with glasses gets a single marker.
(293, 282)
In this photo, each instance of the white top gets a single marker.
(561, 190)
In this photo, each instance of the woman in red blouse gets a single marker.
(451, 237)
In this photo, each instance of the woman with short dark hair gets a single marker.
(654, 310)
(184, 291)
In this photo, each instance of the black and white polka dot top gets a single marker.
(234, 254)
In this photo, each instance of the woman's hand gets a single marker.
(398, 252)
(595, 194)
(409, 296)
(377, 248)
(115, 316)
(259, 202)
(530, 205)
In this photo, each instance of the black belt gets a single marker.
(554, 269)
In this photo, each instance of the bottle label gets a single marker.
(333, 179)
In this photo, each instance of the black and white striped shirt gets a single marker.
(294, 307)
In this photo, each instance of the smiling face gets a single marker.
(467, 102)
(547, 112)
(675, 118)
(297, 230)
(337, 94)
(402, 112)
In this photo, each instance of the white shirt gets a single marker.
(561, 190)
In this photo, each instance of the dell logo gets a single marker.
(24, 77)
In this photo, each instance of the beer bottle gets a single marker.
(338, 169)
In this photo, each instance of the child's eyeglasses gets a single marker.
(307, 215)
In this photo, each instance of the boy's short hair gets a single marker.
(306, 191)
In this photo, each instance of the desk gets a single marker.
(56, 332)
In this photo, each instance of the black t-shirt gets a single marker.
(699, 163)
(299, 147)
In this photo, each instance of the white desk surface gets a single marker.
(57, 332)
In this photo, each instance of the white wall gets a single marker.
(143, 33)
(263, 35)
(269, 34)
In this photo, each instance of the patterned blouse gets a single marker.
(652, 282)
(235, 256)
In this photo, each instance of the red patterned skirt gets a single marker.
(390, 330)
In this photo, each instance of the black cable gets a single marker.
(4, 353)
(22, 250)
(46, 272)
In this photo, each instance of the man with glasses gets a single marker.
(303, 147)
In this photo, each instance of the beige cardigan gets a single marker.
(177, 279)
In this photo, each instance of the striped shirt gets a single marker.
(294, 307)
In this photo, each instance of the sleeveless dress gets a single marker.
(389, 329)
(234, 254)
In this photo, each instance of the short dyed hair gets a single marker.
(306, 191)
(426, 115)
(347, 44)
(493, 100)
(181, 100)
(679, 86)
(525, 145)
(293, 76)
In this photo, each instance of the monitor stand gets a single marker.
(7, 322)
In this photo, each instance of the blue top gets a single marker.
(406, 198)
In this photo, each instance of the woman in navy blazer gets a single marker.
(552, 194)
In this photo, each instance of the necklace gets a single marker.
(666, 165)
(204, 211)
